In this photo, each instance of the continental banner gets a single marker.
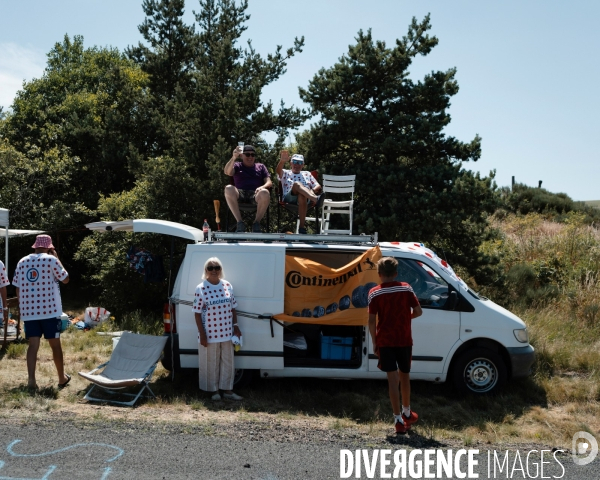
(318, 294)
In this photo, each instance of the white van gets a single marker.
(461, 335)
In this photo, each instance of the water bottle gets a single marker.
(205, 229)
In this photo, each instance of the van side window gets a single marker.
(431, 289)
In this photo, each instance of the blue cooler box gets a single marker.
(336, 348)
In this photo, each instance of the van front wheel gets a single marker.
(479, 371)
(242, 377)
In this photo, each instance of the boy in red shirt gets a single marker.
(392, 306)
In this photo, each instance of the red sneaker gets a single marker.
(412, 418)
(401, 427)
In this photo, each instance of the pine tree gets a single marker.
(206, 90)
(377, 123)
(168, 60)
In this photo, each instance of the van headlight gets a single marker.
(521, 335)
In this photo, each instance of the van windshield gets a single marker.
(429, 287)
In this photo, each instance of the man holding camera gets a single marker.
(36, 278)
(252, 182)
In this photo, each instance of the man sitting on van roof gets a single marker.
(298, 187)
(251, 184)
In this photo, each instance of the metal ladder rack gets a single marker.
(293, 237)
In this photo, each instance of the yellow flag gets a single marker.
(318, 294)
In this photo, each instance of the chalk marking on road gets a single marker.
(45, 477)
(14, 442)
(107, 470)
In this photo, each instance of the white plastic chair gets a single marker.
(337, 184)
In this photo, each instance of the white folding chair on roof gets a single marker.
(131, 364)
(338, 185)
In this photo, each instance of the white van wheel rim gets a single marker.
(481, 375)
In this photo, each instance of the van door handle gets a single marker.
(364, 350)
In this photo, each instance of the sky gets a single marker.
(527, 71)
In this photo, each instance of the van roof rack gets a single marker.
(293, 237)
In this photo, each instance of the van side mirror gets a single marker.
(452, 301)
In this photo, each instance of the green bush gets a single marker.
(524, 200)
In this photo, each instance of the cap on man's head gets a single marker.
(249, 148)
(43, 241)
(298, 157)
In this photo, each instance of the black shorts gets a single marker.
(395, 358)
(247, 196)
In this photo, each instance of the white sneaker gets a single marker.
(232, 396)
(216, 397)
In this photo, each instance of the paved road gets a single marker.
(109, 451)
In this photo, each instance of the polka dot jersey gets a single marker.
(3, 281)
(37, 276)
(214, 303)
(304, 177)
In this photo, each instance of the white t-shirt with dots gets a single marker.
(214, 303)
(304, 177)
(3, 282)
(37, 276)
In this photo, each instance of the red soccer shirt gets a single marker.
(392, 303)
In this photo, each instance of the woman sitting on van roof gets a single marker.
(214, 311)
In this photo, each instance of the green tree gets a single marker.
(73, 135)
(204, 96)
(377, 123)
(168, 59)
(35, 187)
(87, 105)
(206, 92)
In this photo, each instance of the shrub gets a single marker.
(524, 200)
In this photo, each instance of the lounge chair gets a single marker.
(132, 363)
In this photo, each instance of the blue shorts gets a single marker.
(50, 327)
(293, 199)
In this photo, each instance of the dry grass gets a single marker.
(543, 409)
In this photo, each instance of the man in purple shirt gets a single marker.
(252, 183)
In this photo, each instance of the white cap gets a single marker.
(297, 156)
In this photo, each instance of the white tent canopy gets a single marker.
(22, 233)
